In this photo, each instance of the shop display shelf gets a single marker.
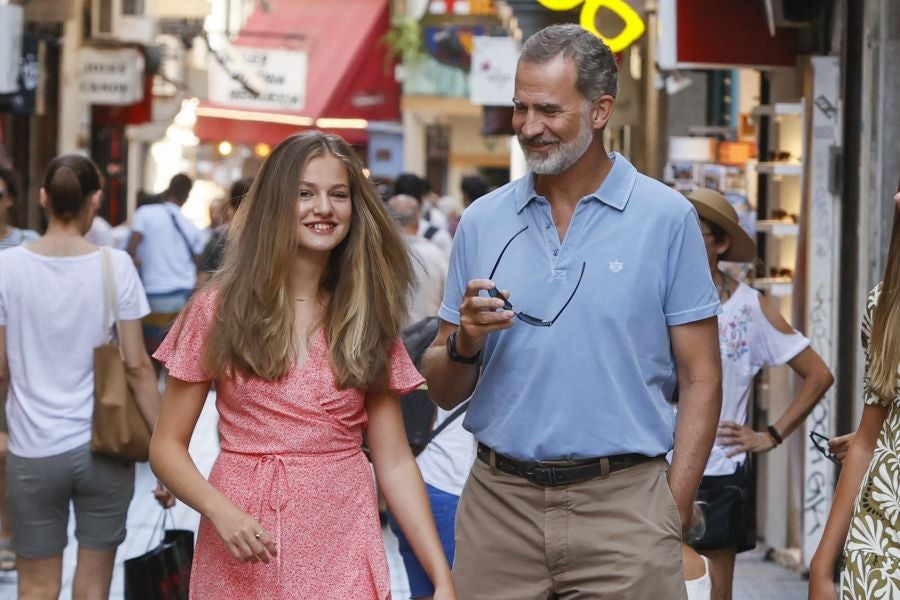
(778, 228)
(780, 168)
(778, 109)
(774, 286)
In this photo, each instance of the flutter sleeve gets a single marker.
(404, 377)
(183, 349)
(869, 395)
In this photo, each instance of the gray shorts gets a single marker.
(39, 491)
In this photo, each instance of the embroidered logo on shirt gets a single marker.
(615, 266)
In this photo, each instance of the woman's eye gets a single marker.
(305, 194)
(340, 195)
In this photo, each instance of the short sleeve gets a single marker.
(131, 296)
(869, 395)
(404, 377)
(183, 349)
(690, 293)
(139, 223)
(457, 278)
(770, 346)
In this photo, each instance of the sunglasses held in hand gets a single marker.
(821, 443)
(526, 318)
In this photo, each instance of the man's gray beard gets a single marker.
(565, 155)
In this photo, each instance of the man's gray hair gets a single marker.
(595, 65)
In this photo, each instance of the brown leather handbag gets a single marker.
(118, 429)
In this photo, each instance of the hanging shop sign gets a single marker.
(23, 101)
(720, 34)
(283, 77)
(632, 31)
(111, 77)
(493, 76)
(11, 22)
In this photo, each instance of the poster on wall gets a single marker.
(493, 74)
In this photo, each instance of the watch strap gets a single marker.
(455, 356)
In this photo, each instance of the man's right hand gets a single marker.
(480, 316)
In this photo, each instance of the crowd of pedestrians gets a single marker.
(592, 367)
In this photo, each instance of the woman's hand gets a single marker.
(839, 446)
(243, 535)
(165, 498)
(740, 438)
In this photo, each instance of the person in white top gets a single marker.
(429, 263)
(165, 246)
(51, 319)
(10, 237)
(752, 335)
(432, 223)
(448, 456)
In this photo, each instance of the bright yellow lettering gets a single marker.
(560, 4)
(634, 26)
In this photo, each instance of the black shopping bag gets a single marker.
(164, 572)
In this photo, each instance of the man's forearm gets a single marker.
(449, 382)
(698, 417)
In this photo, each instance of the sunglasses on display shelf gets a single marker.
(779, 155)
(783, 215)
(780, 272)
(524, 317)
(821, 443)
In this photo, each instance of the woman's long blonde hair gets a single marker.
(367, 277)
(884, 345)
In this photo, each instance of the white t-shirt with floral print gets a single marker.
(747, 342)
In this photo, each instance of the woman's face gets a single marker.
(324, 206)
(713, 248)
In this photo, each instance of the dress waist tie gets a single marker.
(270, 469)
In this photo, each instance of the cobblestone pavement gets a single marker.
(755, 578)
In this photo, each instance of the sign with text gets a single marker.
(111, 77)
(493, 75)
(282, 72)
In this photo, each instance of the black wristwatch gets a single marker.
(455, 356)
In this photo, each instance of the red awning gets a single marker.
(347, 77)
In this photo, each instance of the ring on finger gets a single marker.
(258, 534)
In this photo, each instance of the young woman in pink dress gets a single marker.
(299, 331)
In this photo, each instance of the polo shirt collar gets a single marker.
(614, 191)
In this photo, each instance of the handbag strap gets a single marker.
(159, 528)
(184, 237)
(446, 422)
(110, 296)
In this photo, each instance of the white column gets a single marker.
(823, 255)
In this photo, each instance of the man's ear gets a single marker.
(602, 111)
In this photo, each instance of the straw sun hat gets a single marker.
(713, 207)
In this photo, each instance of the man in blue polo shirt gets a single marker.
(606, 304)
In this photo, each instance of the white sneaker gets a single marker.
(700, 588)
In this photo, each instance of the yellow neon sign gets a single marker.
(634, 25)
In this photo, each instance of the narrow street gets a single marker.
(755, 579)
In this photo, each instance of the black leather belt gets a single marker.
(551, 474)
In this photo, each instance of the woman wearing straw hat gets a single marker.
(752, 335)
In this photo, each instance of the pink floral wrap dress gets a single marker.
(291, 457)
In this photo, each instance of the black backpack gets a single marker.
(418, 410)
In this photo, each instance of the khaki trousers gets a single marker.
(615, 538)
